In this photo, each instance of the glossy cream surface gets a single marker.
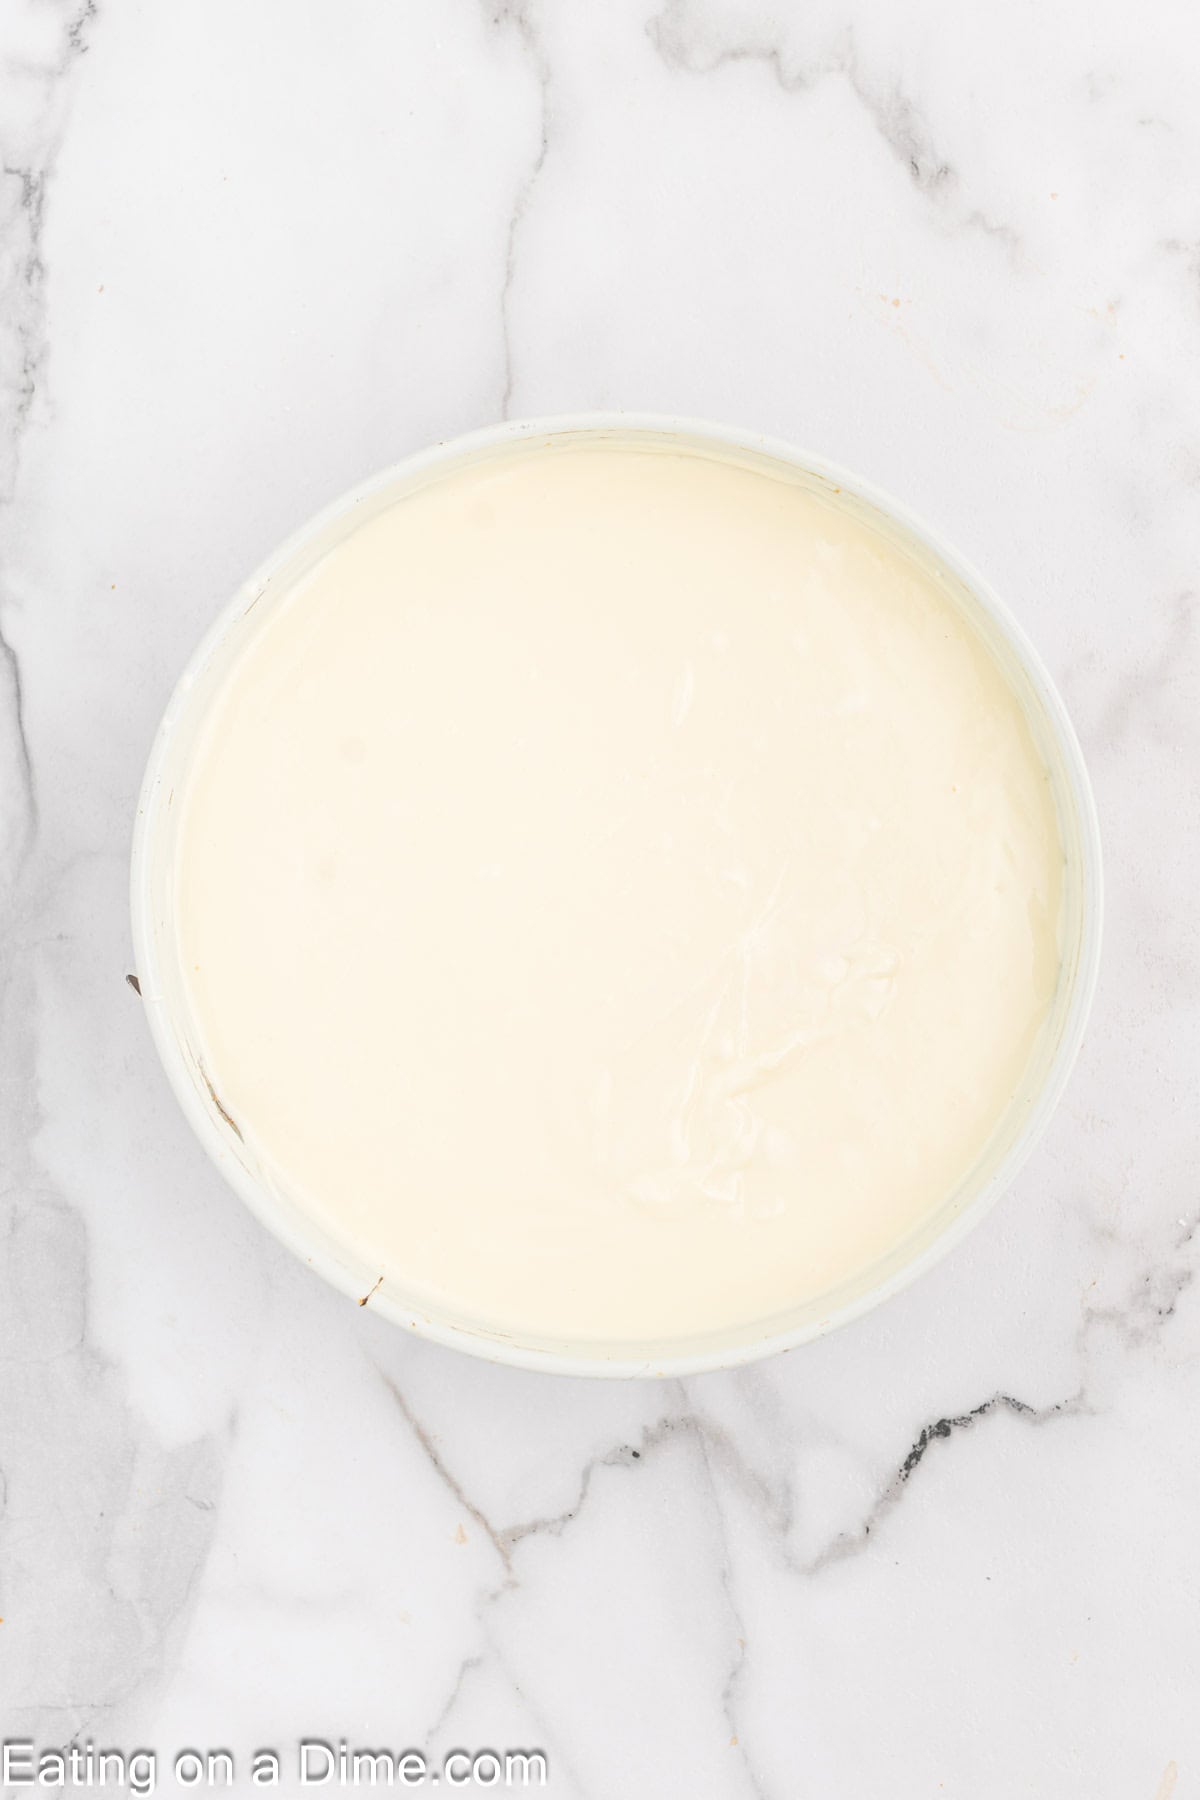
(617, 892)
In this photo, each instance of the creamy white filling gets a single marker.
(618, 892)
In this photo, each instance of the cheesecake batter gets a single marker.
(618, 892)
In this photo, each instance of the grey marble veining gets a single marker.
(249, 253)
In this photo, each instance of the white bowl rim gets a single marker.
(502, 1349)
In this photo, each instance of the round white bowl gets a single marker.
(163, 991)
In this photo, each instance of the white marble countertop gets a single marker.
(252, 250)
